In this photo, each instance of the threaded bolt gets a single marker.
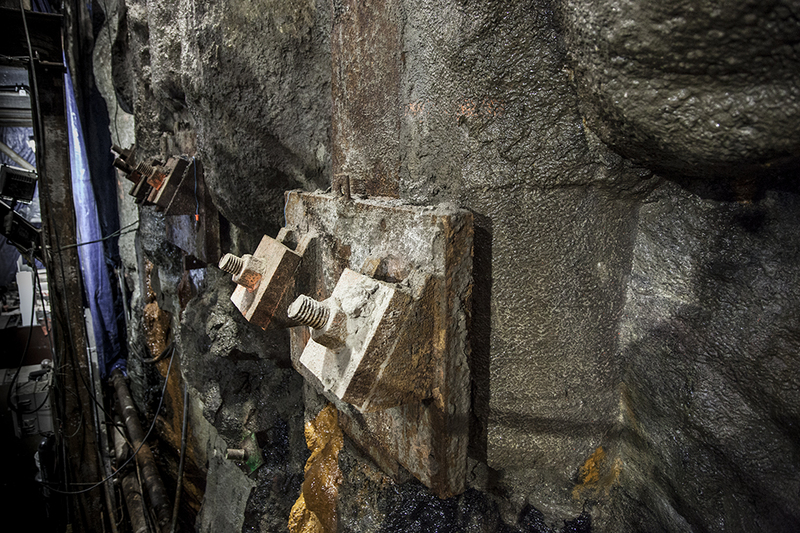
(231, 264)
(145, 169)
(309, 312)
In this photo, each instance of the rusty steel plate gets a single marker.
(428, 438)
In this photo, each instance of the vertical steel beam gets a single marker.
(77, 428)
(366, 53)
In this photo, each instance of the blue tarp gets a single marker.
(96, 281)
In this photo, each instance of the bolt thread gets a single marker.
(308, 312)
(145, 169)
(231, 264)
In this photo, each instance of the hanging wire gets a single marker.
(122, 231)
(41, 160)
(196, 201)
(144, 440)
(182, 461)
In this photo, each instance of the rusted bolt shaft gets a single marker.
(309, 312)
(231, 264)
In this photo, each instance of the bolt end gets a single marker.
(231, 264)
(309, 312)
(235, 454)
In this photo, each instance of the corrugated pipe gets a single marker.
(147, 464)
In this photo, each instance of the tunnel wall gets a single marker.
(633, 336)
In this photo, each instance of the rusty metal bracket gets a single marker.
(177, 189)
(173, 187)
(265, 279)
(371, 345)
(404, 393)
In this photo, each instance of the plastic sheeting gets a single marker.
(96, 280)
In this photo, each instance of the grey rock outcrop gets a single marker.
(246, 85)
(701, 88)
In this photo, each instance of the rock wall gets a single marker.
(634, 342)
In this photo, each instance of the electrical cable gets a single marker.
(182, 461)
(122, 231)
(41, 164)
(79, 426)
(38, 282)
(41, 295)
(91, 397)
(162, 355)
(13, 58)
(44, 312)
(144, 440)
(196, 201)
(117, 233)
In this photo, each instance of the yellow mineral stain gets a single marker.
(301, 520)
(315, 509)
(597, 475)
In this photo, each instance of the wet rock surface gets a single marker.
(371, 502)
(704, 88)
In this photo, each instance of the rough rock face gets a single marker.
(696, 87)
(240, 374)
(257, 75)
(709, 338)
(251, 81)
(493, 124)
(633, 338)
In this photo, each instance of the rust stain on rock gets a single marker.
(156, 321)
(366, 53)
(315, 509)
(597, 475)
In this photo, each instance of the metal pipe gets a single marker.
(131, 490)
(236, 454)
(145, 459)
(6, 149)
